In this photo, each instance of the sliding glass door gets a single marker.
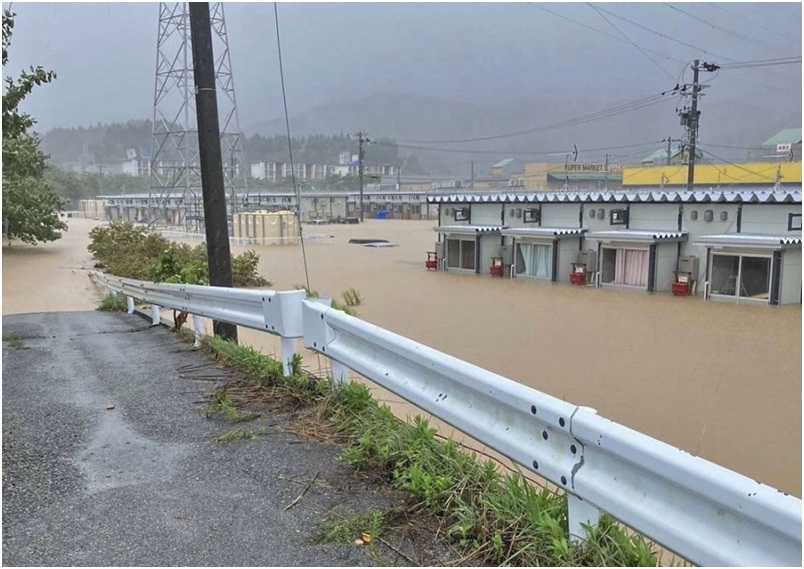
(534, 260)
(625, 267)
(740, 277)
(461, 254)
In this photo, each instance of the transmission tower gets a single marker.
(175, 168)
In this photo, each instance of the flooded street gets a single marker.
(718, 380)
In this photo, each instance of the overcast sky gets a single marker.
(485, 54)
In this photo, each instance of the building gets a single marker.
(784, 145)
(714, 176)
(547, 176)
(736, 245)
(274, 171)
(506, 168)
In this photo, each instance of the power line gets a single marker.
(717, 26)
(290, 148)
(628, 106)
(663, 35)
(632, 42)
(763, 62)
(468, 151)
(603, 32)
(752, 172)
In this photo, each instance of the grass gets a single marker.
(113, 303)
(345, 530)
(14, 341)
(494, 517)
(223, 406)
(350, 299)
(236, 435)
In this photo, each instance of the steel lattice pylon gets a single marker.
(175, 169)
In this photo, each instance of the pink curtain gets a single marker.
(636, 267)
(631, 267)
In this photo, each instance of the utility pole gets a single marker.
(362, 139)
(209, 151)
(690, 117)
(471, 174)
(669, 150)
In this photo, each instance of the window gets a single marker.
(533, 260)
(461, 254)
(625, 267)
(794, 222)
(724, 216)
(741, 276)
(601, 213)
(461, 214)
(618, 217)
(531, 215)
(694, 215)
(709, 215)
(591, 214)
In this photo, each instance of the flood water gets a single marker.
(718, 380)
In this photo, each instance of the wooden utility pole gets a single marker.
(209, 152)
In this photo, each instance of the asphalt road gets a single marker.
(108, 459)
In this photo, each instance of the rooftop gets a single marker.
(785, 136)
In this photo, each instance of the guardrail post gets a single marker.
(155, 315)
(580, 513)
(130, 304)
(340, 373)
(288, 352)
(198, 329)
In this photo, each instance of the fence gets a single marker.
(706, 513)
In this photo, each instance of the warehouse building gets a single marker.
(740, 246)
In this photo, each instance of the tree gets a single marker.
(30, 208)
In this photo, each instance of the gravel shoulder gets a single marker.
(109, 460)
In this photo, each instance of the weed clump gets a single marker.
(113, 302)
(236, 435)
(497, 518)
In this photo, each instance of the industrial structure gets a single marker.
(736, 245)
(175, 168)
(316, 207)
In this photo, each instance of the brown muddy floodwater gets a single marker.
(721, 381)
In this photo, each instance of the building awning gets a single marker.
(751, 240)
(468, 229)
(638, 236)
(544, 232)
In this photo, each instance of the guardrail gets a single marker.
(706, 513)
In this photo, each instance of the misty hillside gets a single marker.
(408, 118)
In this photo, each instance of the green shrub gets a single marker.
(134, 252)
(113, 303)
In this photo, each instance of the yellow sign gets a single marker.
(715, 174)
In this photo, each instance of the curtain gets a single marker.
(636, 267)
(538, 260)
(631, 267)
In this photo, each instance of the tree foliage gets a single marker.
(125, 250)
(30, 208)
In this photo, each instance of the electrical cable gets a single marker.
(762, 62)
(752, 172)
(663, 35)
(628, 106)
(716, 26)
(632, 42)
(605, 33)
(514, 152)
(290, 149)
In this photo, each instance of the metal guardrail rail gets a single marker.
(705, 513)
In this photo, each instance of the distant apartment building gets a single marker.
(275, 171)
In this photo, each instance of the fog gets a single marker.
(434, 71)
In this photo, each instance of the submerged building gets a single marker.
(737, 245)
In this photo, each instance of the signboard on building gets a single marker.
(782, 148)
